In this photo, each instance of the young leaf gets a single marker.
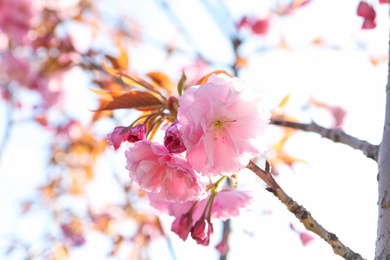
(205, 78)
(161, 80)
(278, 111)
(133, 99)
(180, 85)
(131, 80)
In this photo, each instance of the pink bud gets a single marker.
(137, 133)
(222, 247)
(117, 137)
(202, 231)
(172, 140)
(261, 26)
(306, 238)
(182, 226)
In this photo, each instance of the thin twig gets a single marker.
(336, 135)
(7, 131)
(303, 215)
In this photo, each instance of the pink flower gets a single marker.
(17, 18)
(368, 13)
(182, 226)
(221, 125)
(201, 231)
(226, 204)
(306, 238)
(172, 140)
(156, 170)
(117, 137)
(222, 247)
(256, 25)
(230, 203)
(136, 133)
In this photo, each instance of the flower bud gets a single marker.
(172, 140)
(182, 225)
(202, 231)
(137, 133)
(117, 137)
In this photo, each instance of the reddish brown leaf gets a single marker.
(123, 59)
(113, 61)
(131, 80)
(161, 80)
(133, 99)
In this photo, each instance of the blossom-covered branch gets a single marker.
(336, 135)
(303, 215)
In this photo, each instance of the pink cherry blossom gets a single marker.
(306, 238)
(117, 137)
(136, 133)
(366, 11)
(258, 26)
(20, 70)
(172, 140)
(201, 231)
(182, 226)
(17, 18)
(221, 125)
(222, 247)
(226, 204)
(156, 170)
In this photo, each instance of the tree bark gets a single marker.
(382, 250)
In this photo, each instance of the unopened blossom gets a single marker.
(136, 133)
(172, 140)
(156, 170)
(117, 137)
(226, 204)
(367, 11)
(182, 226)
(201, 231)
(222, 247)
(221, 125)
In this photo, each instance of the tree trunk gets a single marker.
(382, 251)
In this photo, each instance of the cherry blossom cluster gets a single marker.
(219, 128)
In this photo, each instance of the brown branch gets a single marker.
(303, 215)
(336, 135)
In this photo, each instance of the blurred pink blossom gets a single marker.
(221, 125)
(17, 18)
(21, 70)
(306, 238)
(156, 170)
(258, 26)
(222, 247)
(366, 11)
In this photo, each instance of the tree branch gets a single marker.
(336, 135)
(302, 214)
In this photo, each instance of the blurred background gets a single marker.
(64, 192)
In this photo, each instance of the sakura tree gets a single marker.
(155, 144)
